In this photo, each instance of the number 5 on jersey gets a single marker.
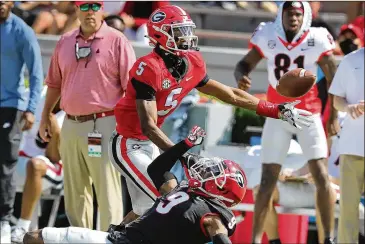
(140, 68)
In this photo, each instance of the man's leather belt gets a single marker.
(84, 118)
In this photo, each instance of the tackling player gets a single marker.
(290, 43)
(198, 206)
(158, 83)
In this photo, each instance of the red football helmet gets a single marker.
(219, 178)
(172, 28)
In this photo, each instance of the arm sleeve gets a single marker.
(163, 163)
(127, 58)
(54, 76)
(338, 85)
(221, 239)
(203, 81)
(32, 56)
(143, 90)
(143, 72)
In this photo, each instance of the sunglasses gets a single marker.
(94, 6)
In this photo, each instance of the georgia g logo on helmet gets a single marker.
(157, 17)
(239, 178)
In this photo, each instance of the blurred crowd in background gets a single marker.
(56, 18)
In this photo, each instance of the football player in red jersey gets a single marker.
(197, 207)
(290, 43)
(158, 82)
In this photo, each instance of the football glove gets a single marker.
(195, 137)
(295, 117)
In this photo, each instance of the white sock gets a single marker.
(24, 223)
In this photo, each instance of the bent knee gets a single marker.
(36, 166)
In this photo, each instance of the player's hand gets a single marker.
(333, 127)
(295, 117)
(27, 120)
(356, 110)
(45, 129)
(244, 83)
(195, 137)
(285, 173)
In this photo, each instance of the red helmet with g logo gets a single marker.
(219, 178)
(172, 28)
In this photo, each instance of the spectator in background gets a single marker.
(113, 7)
(348, 90)
(39, 167)
(58, 20)
(350, 39)
(29, 10)
(116, 22)
(89, 82)
(18, 45)
(135, 15)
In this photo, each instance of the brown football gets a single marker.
(296, 83)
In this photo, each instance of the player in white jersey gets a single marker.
(39, 167)
(287, 43)
(296, 189)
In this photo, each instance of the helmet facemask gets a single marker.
(207, 169)
(180, 37)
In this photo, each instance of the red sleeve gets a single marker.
(251, 45)
(143, 72)
(139, 21)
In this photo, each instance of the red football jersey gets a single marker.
(151, 69)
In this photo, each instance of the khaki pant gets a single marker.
(351, 187)
(81, 171)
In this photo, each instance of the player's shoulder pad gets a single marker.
(319, 32)
(196, 58)
(261, 29)
(321, 35)
(145, 69)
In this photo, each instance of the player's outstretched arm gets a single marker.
(159, 169)
(237, 97)
(216, 229)
(147, 112)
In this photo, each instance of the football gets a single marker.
(295, 83)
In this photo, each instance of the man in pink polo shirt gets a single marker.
(89, 71)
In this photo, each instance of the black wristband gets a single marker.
(221, 239)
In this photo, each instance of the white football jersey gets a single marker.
(283, 56)
(28, 144)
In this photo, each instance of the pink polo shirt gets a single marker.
(93, 84)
